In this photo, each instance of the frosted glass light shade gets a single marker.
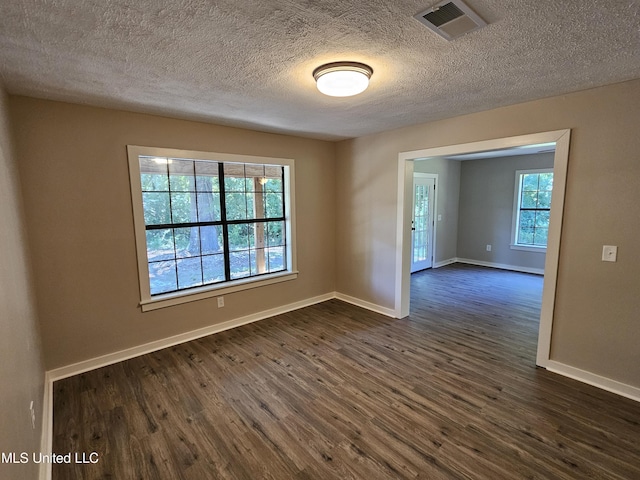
(342, 79)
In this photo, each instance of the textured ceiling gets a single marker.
(249, 63)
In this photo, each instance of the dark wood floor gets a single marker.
(336, 392)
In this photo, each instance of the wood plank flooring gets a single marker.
(333, 391)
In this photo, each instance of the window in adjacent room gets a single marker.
(208, 224)
(532, 207)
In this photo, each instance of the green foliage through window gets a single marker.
(534, 206)
(210, 222)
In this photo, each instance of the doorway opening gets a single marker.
(560, 139)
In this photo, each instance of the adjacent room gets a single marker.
(319, 240)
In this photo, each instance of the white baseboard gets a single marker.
(367, 305)
(502, 266)
(126, 354)
(598, 381)
(115, 357)
(119, 356)
(444, 263)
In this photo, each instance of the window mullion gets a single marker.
(173, 230)
(162, 226)
(195, 195)
(225, 227)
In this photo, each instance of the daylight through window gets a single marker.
(209, 223)
(534, 189)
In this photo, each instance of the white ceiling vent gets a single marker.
(451, 19)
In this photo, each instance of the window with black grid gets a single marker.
(209, 222)
(534, 207)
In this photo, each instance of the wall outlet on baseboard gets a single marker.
(488, 248)
(220, 302)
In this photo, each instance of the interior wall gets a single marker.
(486, 210)
(75, 182)
(21, 368)
(448, 195)
(595, 321)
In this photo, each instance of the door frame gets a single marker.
(433, 176)
(561, 138)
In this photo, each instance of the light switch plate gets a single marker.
(609, 253)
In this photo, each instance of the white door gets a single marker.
(422, 223)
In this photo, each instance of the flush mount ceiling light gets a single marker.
(342, 79)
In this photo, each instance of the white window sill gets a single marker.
(529, 248)
(185, 296)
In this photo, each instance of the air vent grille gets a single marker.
(444, 14)
(451, 19)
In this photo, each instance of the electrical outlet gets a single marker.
(609, 253)
(220, 302)
(33, 415)
(488, 248)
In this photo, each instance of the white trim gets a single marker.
(552, 259)
(367, 305)
(444, 263)
(403, 242)
(484, 145)
(126, 354)
(46, 439)
(149, 302)
(561, 139)
(529, 248)
(501, 266)
(593, 379)
(425, 175)
(176, 298)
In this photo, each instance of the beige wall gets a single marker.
(486, 210)
(74, 174)
(21, 369)
(596, 325)
(447, 203)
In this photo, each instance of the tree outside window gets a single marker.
(210, 222)
(534, 189)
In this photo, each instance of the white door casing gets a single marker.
(561, 139)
